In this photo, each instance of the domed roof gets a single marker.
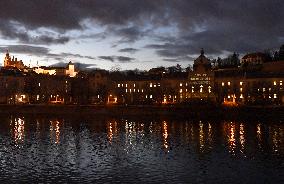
(202, 60)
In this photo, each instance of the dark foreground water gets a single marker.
(124, 150)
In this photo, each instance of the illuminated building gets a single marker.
(13, 62)
(69, 70)
(201, 79)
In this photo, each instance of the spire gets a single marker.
(202, 52)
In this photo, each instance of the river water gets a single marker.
(140, 150)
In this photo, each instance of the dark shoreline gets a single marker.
(178, 111)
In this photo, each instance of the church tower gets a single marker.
(7, 59)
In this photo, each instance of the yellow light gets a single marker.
(275, 95)
(275, 83)
(241, 83)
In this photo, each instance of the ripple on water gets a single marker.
(126, 151)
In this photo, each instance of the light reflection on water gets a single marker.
(131, 150)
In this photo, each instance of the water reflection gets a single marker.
(165, 135)
(19, 129)
(277, 137)
(201, 137)
(242, 137)
(55, 131)
(259, 136)
(111, 129)
(126, 148)
(232, 138)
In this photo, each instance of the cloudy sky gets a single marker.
(137, 33)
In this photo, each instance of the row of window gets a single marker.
(242, 96)
(241, 83)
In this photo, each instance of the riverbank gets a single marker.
(204, 111)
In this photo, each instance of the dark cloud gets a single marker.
(42, 52)
(129, 50)
(25, 49)
(179, 59)
(117, 59)
(218, 26)
(12, 30)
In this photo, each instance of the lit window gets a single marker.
(151, 96)
(223, 84)
(142, 90)
(229, 83)
(241, 83)
(180, 84)
(154, 85)
(185, 84)
(151, 85)
(118, 85)
(159, 84)
(121, 85)
(269, 89)
(192, 89)
(180, 90)
(146, 96)
(125, 85)
(209, 89)
(201, 88)
(280, 83)
(275, 95)
(263, 89)
(98, 96)
(241, 89)
(130, 90)
(229, 96)
(275, 83)
(241, 96)
(138, 91)
(134, 90)
(133, 85)
(39, 84)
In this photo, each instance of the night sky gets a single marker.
(137, 33)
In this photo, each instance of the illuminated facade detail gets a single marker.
(223, 84)
(13, 62)
(69, 70)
